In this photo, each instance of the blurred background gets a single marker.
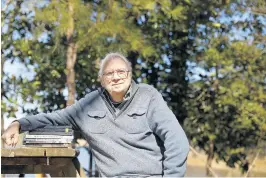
(207, 58)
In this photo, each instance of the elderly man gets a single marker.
(128, 126)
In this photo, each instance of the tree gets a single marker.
(228, 101)
(15, 26)
(171, 27)
(87, 33)
(92, 20)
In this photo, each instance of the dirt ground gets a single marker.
(196, 167)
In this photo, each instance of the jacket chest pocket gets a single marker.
(135, 121)
(97, 122)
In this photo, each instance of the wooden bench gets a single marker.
(58, 162)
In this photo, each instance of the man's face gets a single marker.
(116, 77)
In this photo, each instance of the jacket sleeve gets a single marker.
(164, 124)
(68, 116)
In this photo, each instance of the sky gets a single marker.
(17, 69)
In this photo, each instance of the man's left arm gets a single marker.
(165, 125)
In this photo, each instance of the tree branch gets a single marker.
(252, 164)
(211, 170)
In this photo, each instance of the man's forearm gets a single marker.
(41, 120)
(61, 117)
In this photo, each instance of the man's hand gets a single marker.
(11, 134)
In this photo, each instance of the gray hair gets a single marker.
(111, 56)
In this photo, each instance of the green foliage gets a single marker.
(227, 104)
(15, 26)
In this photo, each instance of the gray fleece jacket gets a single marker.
(144, 139)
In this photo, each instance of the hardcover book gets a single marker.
(41, 145)
(50, 136)
(47, 140)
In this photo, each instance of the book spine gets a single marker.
(50, 133)
(47, 145)
(52, 130)
(56, 127)
(50, 136)
(37, 140)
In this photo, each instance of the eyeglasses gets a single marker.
(121, 73)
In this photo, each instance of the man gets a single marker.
(128, 126)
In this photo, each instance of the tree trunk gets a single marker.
(71, 56)
(210, 158)
(212, 124)
(2, 92)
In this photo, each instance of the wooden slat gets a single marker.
(37, 152)
(60, 152)
(22, 152)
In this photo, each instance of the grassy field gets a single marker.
(196, 167)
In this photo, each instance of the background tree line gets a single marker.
(207, 58)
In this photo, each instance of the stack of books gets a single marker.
(49, 136)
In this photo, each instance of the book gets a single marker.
(47, 141)
(49, 136)
(56, 127)
(50, 133)
(41, 145)
(64, 129)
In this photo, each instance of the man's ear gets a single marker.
(130, 74)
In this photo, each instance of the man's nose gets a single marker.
(115, 76)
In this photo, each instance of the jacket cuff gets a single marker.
(24, 125)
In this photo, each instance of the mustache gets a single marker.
(111, 87)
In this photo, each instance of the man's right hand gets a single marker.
(11, 134)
